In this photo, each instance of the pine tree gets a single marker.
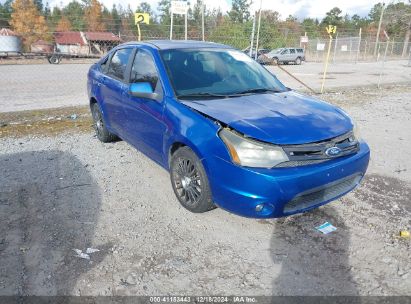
(333, 17)
(93, 16)
(116, 19)
(27, 22)
(164, 7)
(64, 25)
(39, 4)
(75, 13)
(240, 11)
(5, 13)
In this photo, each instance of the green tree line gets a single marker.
(232, 27)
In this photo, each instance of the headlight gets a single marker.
(251, 153)
(356, 131)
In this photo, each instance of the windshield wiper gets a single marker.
(257, 90)
(201, 95)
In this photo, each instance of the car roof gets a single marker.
(179, 44)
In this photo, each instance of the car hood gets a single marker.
(278, 118)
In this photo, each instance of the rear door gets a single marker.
(284, 55)
(113, 89)
(145, 126)
(293, 55)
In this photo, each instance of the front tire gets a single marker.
(99, 125)
(190, 182)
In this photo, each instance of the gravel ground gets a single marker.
(65, 192)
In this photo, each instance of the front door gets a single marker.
(145, 125)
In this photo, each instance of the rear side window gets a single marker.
(118, 63)
(292, 51)
(144, 69)
(300, 51)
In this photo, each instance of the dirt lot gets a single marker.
(65, 191)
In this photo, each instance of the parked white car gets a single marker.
(283, 55)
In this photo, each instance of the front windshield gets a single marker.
(216, 72)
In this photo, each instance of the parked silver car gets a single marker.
(283, 55)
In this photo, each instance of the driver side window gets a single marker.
(144, 70)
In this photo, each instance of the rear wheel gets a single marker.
(298, 61)
(190, 182)
(99, 125)
(54, 59)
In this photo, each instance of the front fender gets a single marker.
(190, 128)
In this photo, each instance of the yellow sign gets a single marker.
(331, 29)
(141, 18)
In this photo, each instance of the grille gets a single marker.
(314, 153)
(324, 193)
(297, 163)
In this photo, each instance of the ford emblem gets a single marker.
(333, 151)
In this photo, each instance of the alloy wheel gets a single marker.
(98, 121)
(187, 181)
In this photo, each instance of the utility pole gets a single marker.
(379, 30)
(406, 40)
(258, 31)
(171, 27)
(335, 47)
(202, 19)
(250, 53)
(359, 45)
(185, 25)
(385, 57)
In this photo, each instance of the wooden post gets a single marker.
(335, 47)
(139, 31)
(171, 27)
(378, 31)
(326, 64)
(359, 45)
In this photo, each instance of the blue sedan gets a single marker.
(228, 131)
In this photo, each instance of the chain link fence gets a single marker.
(52, 73)
(88, 44)
(354, 49)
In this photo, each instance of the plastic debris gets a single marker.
(91, 250)
(85, 255)
(326, 228)
(24, 249)
(74, 116)
(404, 234)
(81, 255)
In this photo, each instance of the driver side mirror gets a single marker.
(143, 90)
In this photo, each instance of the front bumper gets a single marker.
(283, 191)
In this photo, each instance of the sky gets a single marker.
(298, 8)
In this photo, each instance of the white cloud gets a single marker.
(315, 9)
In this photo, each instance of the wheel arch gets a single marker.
(179, 143)
(200, 151)
(92, 101)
